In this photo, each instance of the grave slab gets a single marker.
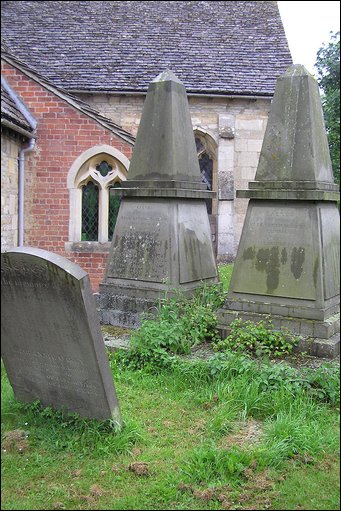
(51, 343)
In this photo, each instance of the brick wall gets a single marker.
(63, 133)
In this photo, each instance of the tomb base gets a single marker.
(124, 305)
(160, 248)
(287, 267)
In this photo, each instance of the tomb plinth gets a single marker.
(162, 239)
(287, 264)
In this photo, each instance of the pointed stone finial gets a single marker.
(296, 70)
(167, 76)
(165, 147)
(295, 146)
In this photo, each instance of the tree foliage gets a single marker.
(328, 69)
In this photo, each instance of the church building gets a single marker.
(74, 80)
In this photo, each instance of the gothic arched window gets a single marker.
(93, 210)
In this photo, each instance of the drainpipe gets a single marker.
(21, 189)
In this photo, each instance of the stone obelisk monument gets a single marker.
(287, 263)
(162, 239)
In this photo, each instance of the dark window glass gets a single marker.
(90, 200)
(104, 168)
(206, 169)
(199, 145)
(114, 206)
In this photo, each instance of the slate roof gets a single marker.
(11, 113)
(72, 100)
(214, 47)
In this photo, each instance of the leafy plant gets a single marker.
(209, 464)
(257, 338)
(328, 68)
(180, 324)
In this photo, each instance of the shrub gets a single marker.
(257, 338)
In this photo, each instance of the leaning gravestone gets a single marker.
(162, 238)
(51, 342)
(288, 259)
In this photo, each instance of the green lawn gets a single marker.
(208, 443)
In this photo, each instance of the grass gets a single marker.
(192, 431)
(225, 272)
(230, 432)
(311, 487)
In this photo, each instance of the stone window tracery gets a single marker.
(93, 210)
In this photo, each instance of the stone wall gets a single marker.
(237, 158)
(10, 147)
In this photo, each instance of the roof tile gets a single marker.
(11, 112)
(214, 47)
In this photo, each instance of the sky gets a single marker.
(307, 26)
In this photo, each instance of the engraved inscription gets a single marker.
(51, 340)
(141, 245)
(279, 224)
(24, 274)
(56, 371)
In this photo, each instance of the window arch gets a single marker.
(93, 210)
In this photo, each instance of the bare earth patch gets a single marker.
(15, 441)
(58, 505)
(96, 491)
(198, 427)
(249, 433)
(139, 468)
(257, 492)
(115, 331)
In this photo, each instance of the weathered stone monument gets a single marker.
(162, 239)
(51, 342)
(287, 263)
